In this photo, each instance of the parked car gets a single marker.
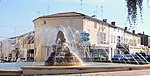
(21, 59)
(6, 59)
(148, 58)
(128, 57)
(30, 59)
(141, 57)
(118, 57)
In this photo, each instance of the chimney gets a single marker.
(143, 32)
(125, 29)
(113, 23)
(104, 20)
(133, 31)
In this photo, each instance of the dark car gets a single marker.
(118, 57)
(21, 59)
(141, 57)
(30, 59)
(148, 58)
(128, 57)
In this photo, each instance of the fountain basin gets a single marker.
(57, 70)
(11, 72)
(40, 69)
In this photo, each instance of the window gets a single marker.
(104, 36)
(95, 24)
(130, 42)
(84, 22)
(125, 40)
(98, 37)
(13, 42)
(30, 39)
(111, 38)
(121, 39)
(43, 22)
(101, 37)
(114, 39)
(135, 43)
(118, 39)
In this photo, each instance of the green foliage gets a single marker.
(133, 7)
(85, 39)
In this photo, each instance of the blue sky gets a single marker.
(16, 15)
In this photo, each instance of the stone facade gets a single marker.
(17, 46)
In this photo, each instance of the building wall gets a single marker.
(136, 47)
(94, 28)
(99, 36)
(27, 44)
(116, 38)
(113, 41)
(19, 43)
(0, 48)
(149, 41)
(7, 47)
(144, 40)
(137, 40)
(74, 22)
(99, 31)
(120, 35)
(133, 41)
(128, 38)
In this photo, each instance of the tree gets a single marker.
(133, 7)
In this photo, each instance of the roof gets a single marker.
(22, 35)
(65, 14)
(142, 34)
(131, 33)
(70, 14)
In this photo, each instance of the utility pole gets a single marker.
(38, 13)
(102, 12)
(96, 11)
(48, 7)
(81, 5)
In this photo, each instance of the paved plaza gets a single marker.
(145, 72)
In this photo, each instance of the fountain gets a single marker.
(138, 60)
(62, 55)
(61, 46)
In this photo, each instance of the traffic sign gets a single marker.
(84, 36)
